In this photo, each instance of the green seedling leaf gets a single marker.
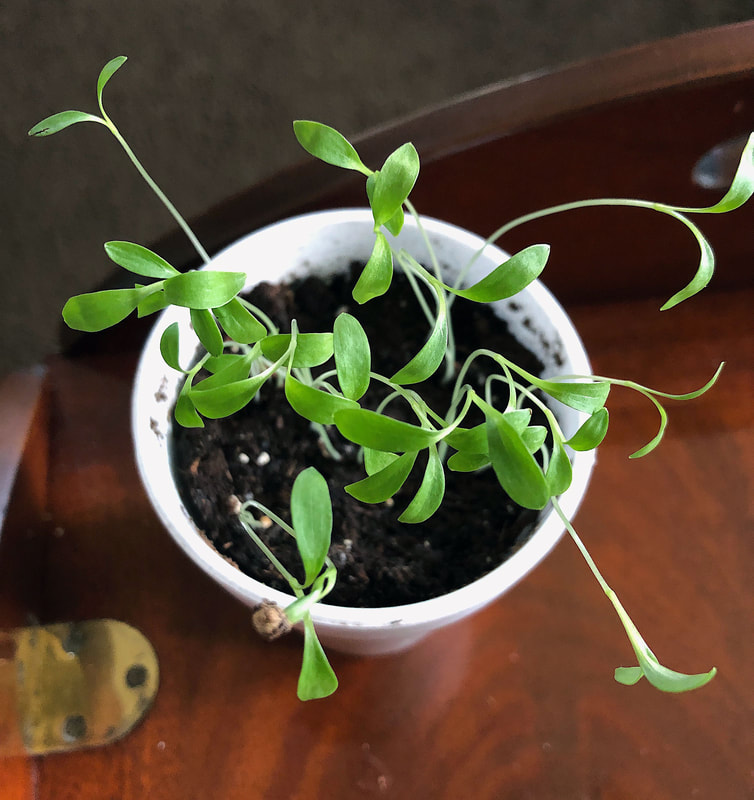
(300, 608)
(428, 359)
(313, 404)
(704, 271)
(686, 395)
(393, 183)
(534, 437)
(239, 323)
(430, 494)
(214, 364)
(510, 277)
(375, 460)
(377, 275)
(395, 223)
(741, 189)
(467, 462)
(184, 412)
(61, 121)
(311, 515)
(588, 397)
(139, 260)
(206, 329)
(559, 471)
(353, 359)
(224, 400)
(203, 289)
(470, 440)
(516, 470)
(373, 430)
(592, 432)
(326, 144)
(474, 440)
(312, 349)
(317, 679)
(107, 72)
(151, 304)
(229, 369)
(628, 676)
(169, 346)
(96, 311)
(662, 678)
(657, 438)
(519, 419)
(383, 484)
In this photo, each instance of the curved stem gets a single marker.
(450, 350)
(546, 212)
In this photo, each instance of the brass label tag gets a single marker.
(73, 685)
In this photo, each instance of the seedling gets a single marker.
(242, 350)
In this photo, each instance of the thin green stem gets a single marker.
(248, 522)
(418, 406)
(546, 212)
(305, 376)
(584, 552)
(557, 432)
(458, 388)
(410, 274)
(324, 437)
(156, 189)
(506, 378)
(432, 255)
(450, 350)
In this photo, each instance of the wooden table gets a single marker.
(519, 702)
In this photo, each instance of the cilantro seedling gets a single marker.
(243, 350)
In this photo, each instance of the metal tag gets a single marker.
(73, 685)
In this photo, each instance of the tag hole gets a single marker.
(136, 676)
(74, 728)
(7, 649)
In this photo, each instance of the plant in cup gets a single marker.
(328, 378)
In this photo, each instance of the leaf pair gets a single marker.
(387, 190)
(382, 484)
(382, 439)
(199, 291)
(661, 677)
(64, 119)
(510, 447)
(472, 444)
(311, 516)
(231, 387)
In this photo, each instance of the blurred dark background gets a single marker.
(207, 98)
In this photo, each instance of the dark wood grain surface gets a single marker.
(518, 702)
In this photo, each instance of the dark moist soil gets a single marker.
(258, 452)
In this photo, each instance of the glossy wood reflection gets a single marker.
(518, 702)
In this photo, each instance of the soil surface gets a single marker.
(258, 452)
